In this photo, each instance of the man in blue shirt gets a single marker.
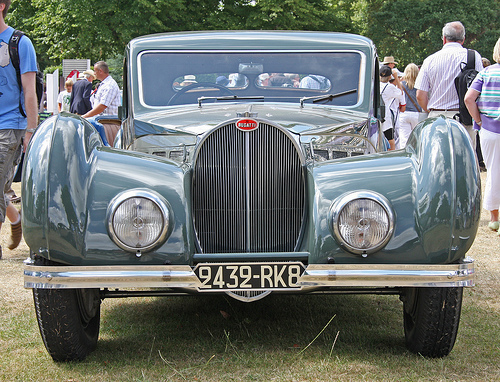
(13, 126)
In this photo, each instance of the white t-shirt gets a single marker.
(64, 99)
(392, 97)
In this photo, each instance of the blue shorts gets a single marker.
(10, 154)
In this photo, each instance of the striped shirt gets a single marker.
(108, 94)
(438, 72)
(487, 83)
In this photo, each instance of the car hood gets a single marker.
(198, 120)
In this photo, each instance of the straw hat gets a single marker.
(389, 60)
(89, 72)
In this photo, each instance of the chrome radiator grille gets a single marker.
(248, 191)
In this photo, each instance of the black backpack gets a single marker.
(462, 83)
(14, 56)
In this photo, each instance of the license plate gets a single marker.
(249, 276)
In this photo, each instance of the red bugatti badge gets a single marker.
(247, 124)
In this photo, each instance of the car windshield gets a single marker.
(172, 78)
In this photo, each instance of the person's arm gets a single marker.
(59, 101)
(470, 101)
(30, 104)
(98, 109)
(401, 101)
(423, 99)
(397, 81)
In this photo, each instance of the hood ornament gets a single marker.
(247, 114)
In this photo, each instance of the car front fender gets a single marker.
(70, 178)
(433, 187)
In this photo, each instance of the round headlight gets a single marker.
(138, 220)
(362, 221)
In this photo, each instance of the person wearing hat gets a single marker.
(80, 95)
(189, 79)
(393, 97)
(391, 63)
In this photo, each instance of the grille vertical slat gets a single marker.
(248, 200)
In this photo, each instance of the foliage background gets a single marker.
(410, 30)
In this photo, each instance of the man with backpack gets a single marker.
(14, 126)
(436, 91)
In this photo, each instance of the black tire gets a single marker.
(431, 318)
(68, 320)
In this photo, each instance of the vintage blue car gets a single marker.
(248, 163)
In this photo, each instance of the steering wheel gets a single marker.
(183, 91)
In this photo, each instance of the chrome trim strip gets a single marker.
(240, 257)
(315, 276)
(248, 165)
(401, 275)
(122, 276)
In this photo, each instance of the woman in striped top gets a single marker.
(483, 102)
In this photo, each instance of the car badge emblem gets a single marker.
(247, 124)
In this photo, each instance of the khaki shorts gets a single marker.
(10, 154)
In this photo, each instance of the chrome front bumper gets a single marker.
(314, 276)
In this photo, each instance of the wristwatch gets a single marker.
(479, 123)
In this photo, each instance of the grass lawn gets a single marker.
(280, 338)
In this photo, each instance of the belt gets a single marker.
(444, 109)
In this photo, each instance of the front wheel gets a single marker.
(431, 318)
(68, 320)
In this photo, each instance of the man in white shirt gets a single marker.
(107, 96)
(435, 83)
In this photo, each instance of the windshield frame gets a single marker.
(360, 81)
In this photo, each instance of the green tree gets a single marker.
(411, 30)
(294, 15)
(98, 30)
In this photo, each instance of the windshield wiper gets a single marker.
(326, 97)
(226, 98)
